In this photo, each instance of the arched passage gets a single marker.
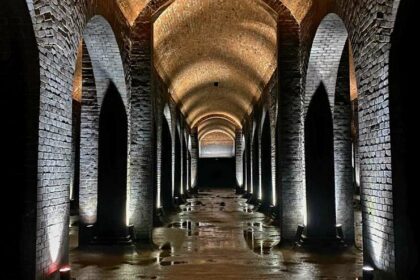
(112, 175)
(101, 70)
(329, 65)
(404, 147)
(319, 156)
(266, 163)
(20, 87)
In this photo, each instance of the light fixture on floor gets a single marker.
(368, 272)
(339, 231)
(132, 232)
(299, 234)
(65, 272)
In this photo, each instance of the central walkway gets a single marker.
(217, 235)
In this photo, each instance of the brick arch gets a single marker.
(327, 48)
(366, 22)
(20, 80)
(102, 67)
(105, 56)
(58, 34)
(329, 65)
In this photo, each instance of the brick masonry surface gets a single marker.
(115, 51)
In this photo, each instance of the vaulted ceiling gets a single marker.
(216, 56)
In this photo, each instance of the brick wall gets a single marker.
(369, 25)
(58, 29)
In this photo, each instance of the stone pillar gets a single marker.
(194, 157)
(239, 158)
(89, 133)
(142, 147)
(342, 151)
(290, 179)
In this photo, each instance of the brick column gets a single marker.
(194, 158)
(342, 150)
(141, 149)
(290, 176)
(239, 157)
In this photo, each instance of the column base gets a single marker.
(302, 240)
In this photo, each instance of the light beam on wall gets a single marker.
(127, 205)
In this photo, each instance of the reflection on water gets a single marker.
(216, 235)
(261, 238)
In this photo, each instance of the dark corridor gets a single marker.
(219, 172)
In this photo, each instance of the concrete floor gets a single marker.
(215, 236)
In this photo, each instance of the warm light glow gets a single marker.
(132, 8)
(77, 79)
(298, 8)
(219, 64)
(65, 268)
(353, 80)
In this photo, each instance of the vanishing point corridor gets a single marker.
(209, 139)
(216, 235)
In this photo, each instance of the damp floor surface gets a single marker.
(217, 235)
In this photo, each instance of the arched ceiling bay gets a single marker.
(217, 144)
(216, 56)
(299, 8)
(216, 123)
(132, 8)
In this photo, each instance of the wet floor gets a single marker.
(217, 235)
